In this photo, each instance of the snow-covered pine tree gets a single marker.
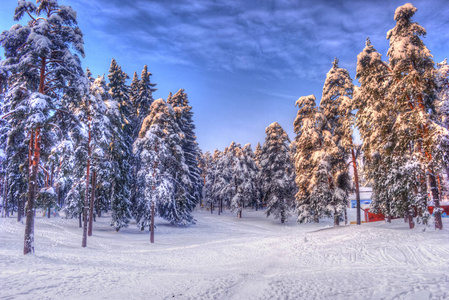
(414, 92)
(277, 175)
(210, 191)
(205, 164)
(120, 115)
(164, 175)
(184, 119)
(91, 151)
(145, 95)
(442, 80)
(312, 164)
(14, 149)
(41, 52)
(375, 121)
(245, 180)
(336, 106)
(223, 189)
(134, 99)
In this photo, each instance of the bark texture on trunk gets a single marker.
(28, 246)
(357, 192)
(92, 200)
(86, 195)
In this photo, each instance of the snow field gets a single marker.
(223, 257)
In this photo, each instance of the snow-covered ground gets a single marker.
(223, 257)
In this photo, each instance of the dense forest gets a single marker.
(88, 145)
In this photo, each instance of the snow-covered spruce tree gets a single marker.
(224, 186)
(442, 79)
(91, 150)
(14, 149)
(414, 91)
(312, 166)
(164, 175)
(336, 106)
(205, 164)
(41, 52)
(277, 175)
(375, 120)
(192, 153)
(252, 188)
(120, 115)
(141, 97)
(145, 95)
(245, 181)
(209, 190)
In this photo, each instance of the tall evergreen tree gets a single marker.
(192, 153)
(164, 175)
(245, 181)
(120, 114)
(312, 161)
(41, 52)
(336, 106)
(277, 173)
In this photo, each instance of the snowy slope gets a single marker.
(223, 257)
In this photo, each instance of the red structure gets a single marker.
(372, 217)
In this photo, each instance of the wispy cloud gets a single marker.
(284, 38)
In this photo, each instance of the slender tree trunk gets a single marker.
(336, 219)
(152, 223)
(5, 193)
(80, 221)
(58, 192)
(211, 207)
(19, 209)
(86, 195)
(32, 187)
(6, 205)
(436, 200)
(357, 192)
(411, 224)
(346, 216)
(92, 200)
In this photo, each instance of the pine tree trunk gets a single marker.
(19, 209)
(336, 219)
(58, 192)
(92, 200)
(152, 223)
(211, 207)
(357, 192)
(436, 200)
(346, 216)
(32, 188)
(5, 193)
(6, 205)
(411, 224)
(80, 222)
(86, 195)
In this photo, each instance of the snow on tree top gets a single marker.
(405, 11)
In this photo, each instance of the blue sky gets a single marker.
(242, 63)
